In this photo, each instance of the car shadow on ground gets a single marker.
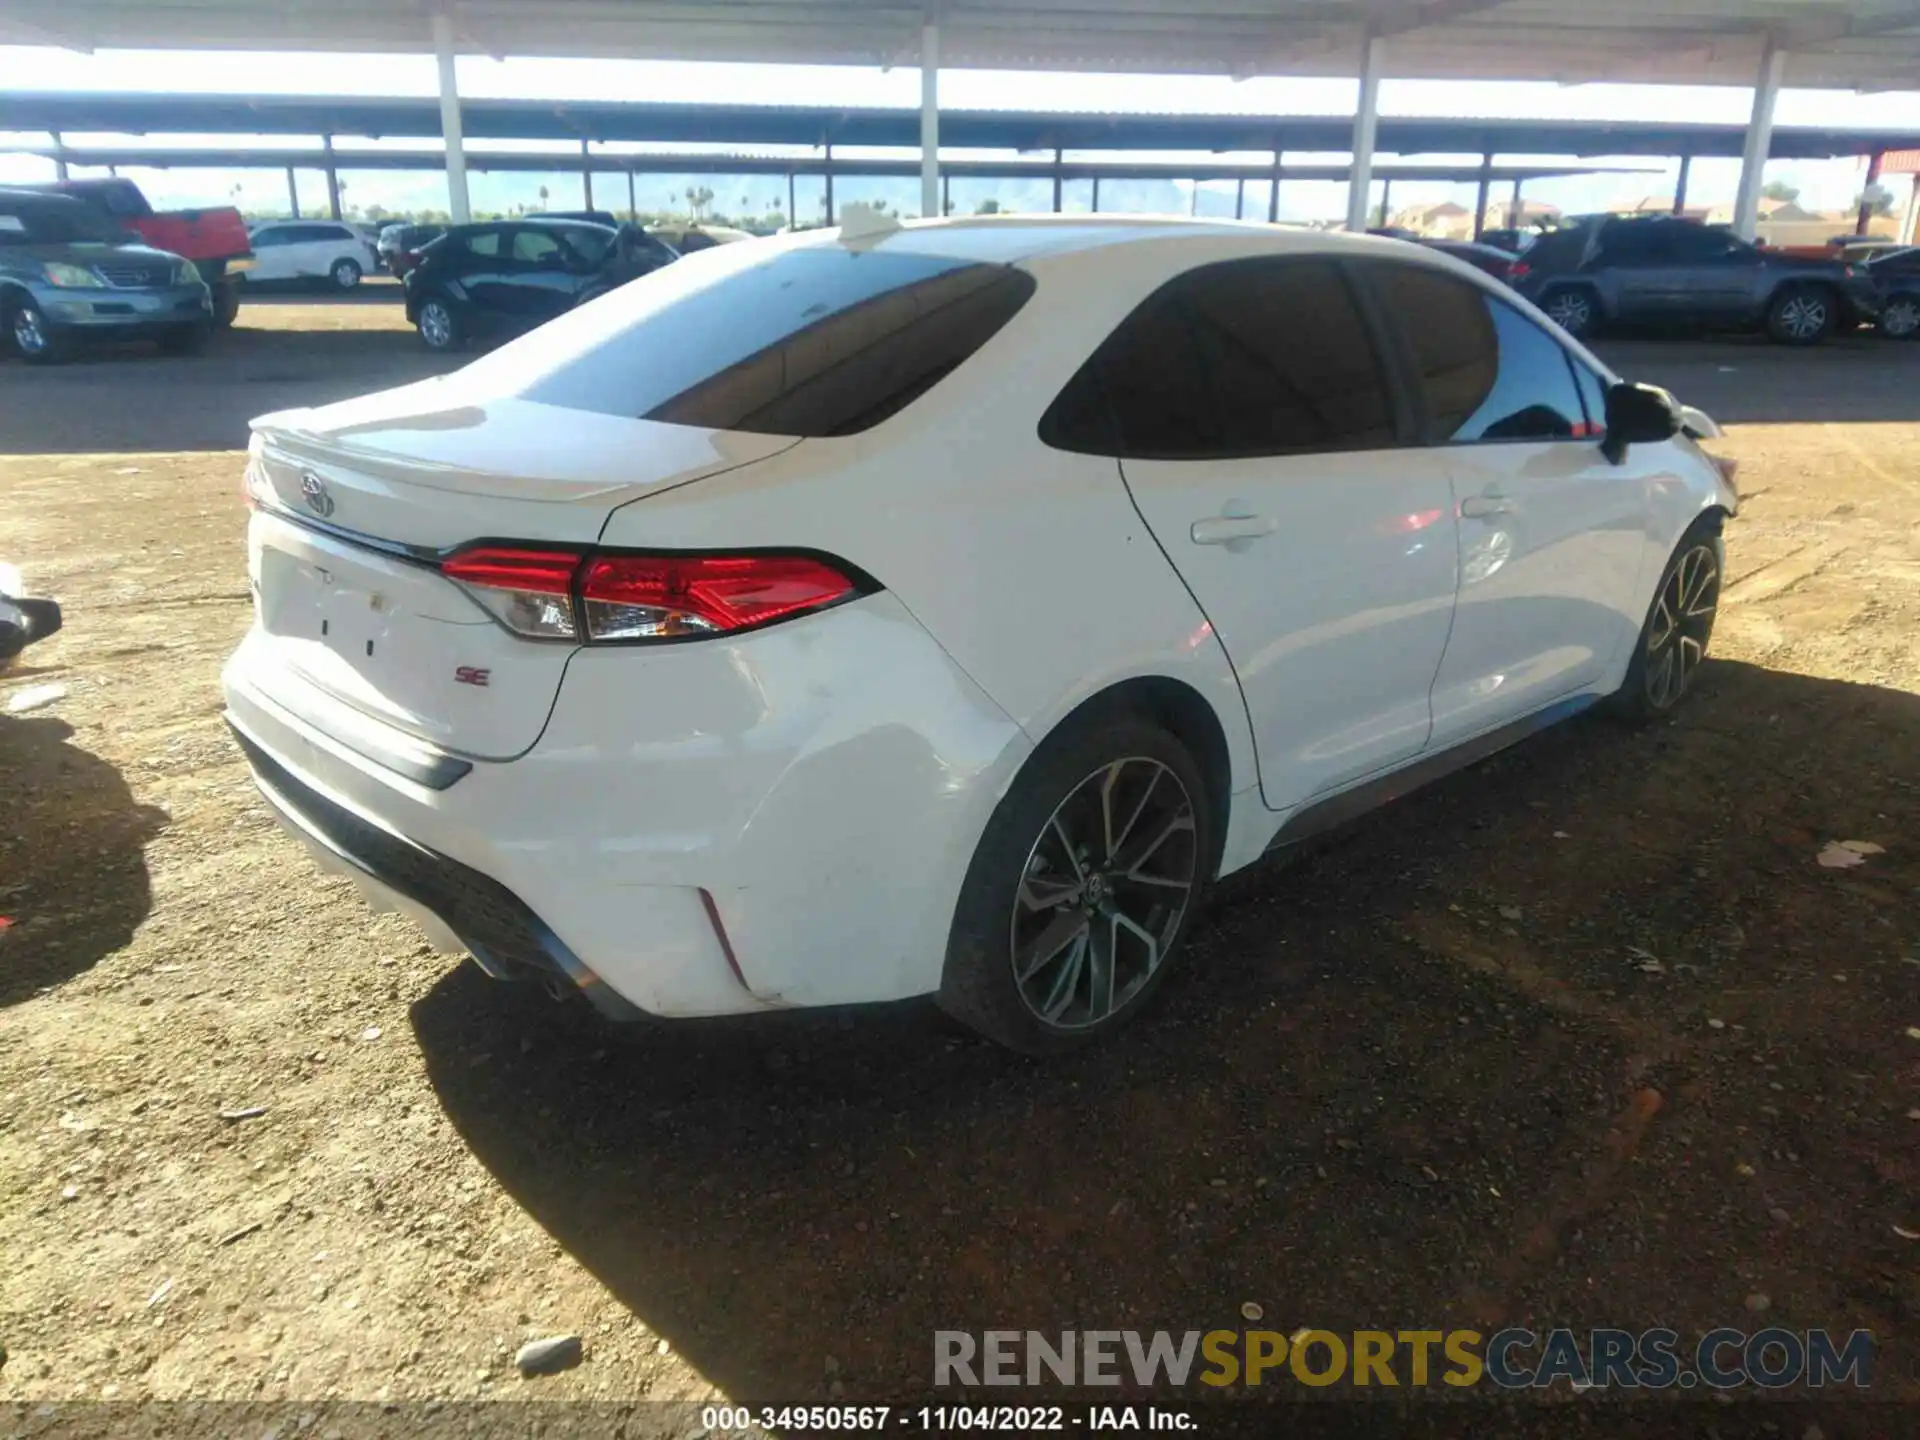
(73, 873)
(1395, 1084)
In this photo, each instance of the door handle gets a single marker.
(1480, 507)
(1232, 529)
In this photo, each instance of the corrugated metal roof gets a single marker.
(1849, 43)
(749, 125)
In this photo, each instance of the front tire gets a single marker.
(37, 342)
(1679, 625)
(1082, 888)
(439, 325)
(345, 274)
(1900, 318)
(1801, 315)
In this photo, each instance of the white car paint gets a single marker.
(307, 250)
(785, 816)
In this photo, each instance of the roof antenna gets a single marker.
(863, 222)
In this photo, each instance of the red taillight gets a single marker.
(528, 591)
(641, 597)
(655, 597)
(1519, 270)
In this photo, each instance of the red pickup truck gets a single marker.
(215, 239)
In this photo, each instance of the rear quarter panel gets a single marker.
(1028, 565)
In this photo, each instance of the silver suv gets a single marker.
(68, 273)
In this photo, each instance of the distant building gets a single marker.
(1444, 221)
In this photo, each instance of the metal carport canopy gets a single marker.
(1868, 44)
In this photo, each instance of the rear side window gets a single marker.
(1559, 250)
(486, 244)
(1238, 359)
(1485, 371)
(817, 341)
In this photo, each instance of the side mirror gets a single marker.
(1638, 415)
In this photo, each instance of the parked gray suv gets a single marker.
(68, 273)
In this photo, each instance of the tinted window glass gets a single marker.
(821, 340)
(1486, 371)
(533, 246)
(56, 222)
(590, 245)
(1633, 243)
(1243, 358)
(267, 239)
(1686, 242)
(693, 240)
(1559, 250)
(485, 244)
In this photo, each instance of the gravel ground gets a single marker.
(1584, 1036)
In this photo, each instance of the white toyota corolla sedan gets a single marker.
(938, 609)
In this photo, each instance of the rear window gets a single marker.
(817, 341)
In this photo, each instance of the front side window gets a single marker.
(1485, 371)
(533, 246)
(818, 340)
(1237, 359)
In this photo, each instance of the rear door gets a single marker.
(1261, 443)
(1551, 536)
(1716, 274)
(1645, 284)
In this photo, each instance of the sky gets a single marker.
(1827, 185)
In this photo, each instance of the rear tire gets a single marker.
(1801, 315)
(1061, 935)
(1573, 308)
(345, 274)
(1679, 625)
(439, 325)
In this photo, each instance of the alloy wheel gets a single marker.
(1103, 892)
(1682, 623)
(1803, 316)
(29, 332)
(1570, 310)
(436, 325)
(346, 275)
(1901, 318)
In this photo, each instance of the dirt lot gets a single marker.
(1584, 1036)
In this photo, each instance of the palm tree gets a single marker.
(543, 197)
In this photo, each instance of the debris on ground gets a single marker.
(252, 1112)
(545, 1357)
(1845, 854)
(34, 697)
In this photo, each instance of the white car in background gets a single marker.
(327, 250)
(938, 609)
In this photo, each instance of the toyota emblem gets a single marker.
(314, 491)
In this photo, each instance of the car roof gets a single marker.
(1005, 239)
(50, 199)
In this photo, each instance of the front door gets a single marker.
(1552, 537)
(1262, 447)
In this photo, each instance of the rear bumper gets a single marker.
(707, 829)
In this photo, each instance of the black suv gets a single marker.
(511, 275)
(1896, 278)
(1662, 271)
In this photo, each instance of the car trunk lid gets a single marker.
(358, 503)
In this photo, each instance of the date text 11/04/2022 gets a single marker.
(747, 1420)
